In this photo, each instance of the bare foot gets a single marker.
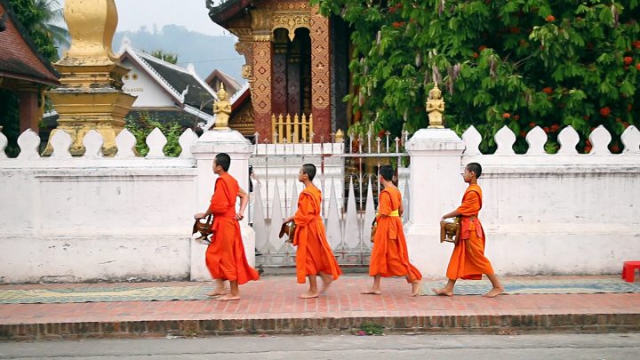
(228, 297)
(442, 292)
(217, 292)
(308, 295)
(371, 292)
(494, 292)
(326, 282)
(415, 288)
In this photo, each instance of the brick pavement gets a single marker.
(271, 306)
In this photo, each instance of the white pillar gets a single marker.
(211, 143)
(436, 187)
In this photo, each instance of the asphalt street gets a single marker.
(450, 347)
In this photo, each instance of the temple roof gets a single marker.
(19, 57)
(221, 14)
(230, 84)
(183, 85)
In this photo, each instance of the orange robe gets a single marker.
(225, 256)
(389, 256)
(468, 261)
(314, 253)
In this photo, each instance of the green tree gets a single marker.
(168, 57)
(519, 63)
(141, 126)
(42, 21)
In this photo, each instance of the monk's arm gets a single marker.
(244, 200)
(454, 213)
(384, 204)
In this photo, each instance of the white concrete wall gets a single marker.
(149, 93)
(94, 218)
(83, 219)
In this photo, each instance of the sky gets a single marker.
(192, 14)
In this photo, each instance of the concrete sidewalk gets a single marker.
(270, 306)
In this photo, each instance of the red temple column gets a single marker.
(320, 76)
(261, 89)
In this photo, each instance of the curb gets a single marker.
(446, 324)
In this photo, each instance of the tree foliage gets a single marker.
(142, 126)
(171, 58)
(41, 19)
(519, 63)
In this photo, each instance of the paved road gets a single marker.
(450, 347)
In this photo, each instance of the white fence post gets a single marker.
(436, 187)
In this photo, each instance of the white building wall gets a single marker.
(139, 83)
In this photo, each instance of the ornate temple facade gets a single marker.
(296, 66)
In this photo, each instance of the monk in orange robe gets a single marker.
(389, 256)
(313, 256)
(225, 257)
(468, 261)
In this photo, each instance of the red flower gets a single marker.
(628, 60)
(532, 124)
(551, 18)
(523, 134)
(475, 55)
(615, 148)
(638, 66)
(605, 111)
(636, 44)
(482, 47)
(517, 117)
(547, 90)
(625, 124)
(546, 129)
(555, 127)
(506, 115)
(587, 149)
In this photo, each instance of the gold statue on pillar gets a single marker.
(222, 110)
(435, 108)
(91, 96)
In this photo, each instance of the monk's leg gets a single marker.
(326, 281)
(497, 286)
(234, 293)
(447, 290)
(313, 288)
(219, 290)
(415, 286)
(375, 289)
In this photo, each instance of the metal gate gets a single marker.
(348, 178)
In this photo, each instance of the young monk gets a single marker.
(313, 256)
(468, 261)
(225, 256)
(389, 256)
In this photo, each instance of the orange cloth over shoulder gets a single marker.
(389, 256)
(225, 257)
(314, 253)
(468, 261)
